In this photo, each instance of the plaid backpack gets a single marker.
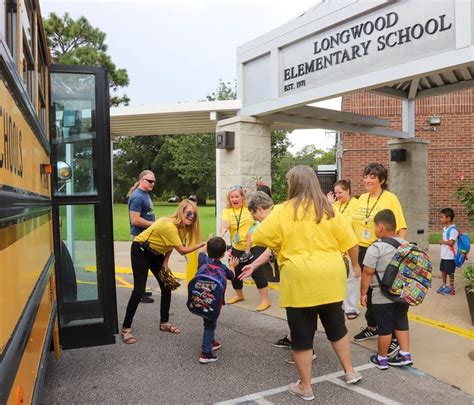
(206, 291)
(408, 275)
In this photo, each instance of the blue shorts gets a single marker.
(447, 266)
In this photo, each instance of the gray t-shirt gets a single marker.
(378, 257)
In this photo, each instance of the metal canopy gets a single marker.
(170, 119)
(315, 117)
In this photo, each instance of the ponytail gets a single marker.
(135, 186)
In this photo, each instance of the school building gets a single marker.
(446, 122)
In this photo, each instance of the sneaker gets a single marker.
(294, 388)
(147, 293)
(448, 291)
(283, 343)
(290, 359)
(247, 256)
(440, 289)
(207, 358)
(394, 348)
(352, 377)
(215, 345)
(381, 364)
(365, 334)
(146, 300)
(401, 360)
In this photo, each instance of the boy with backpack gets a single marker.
(390, 316)
(447, 265)
(206, 293)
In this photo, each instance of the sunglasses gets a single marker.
(149, 181)
(236, 187)
(190, 214)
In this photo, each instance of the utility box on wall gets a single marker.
(225, 140)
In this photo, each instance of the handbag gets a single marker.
(169, 281)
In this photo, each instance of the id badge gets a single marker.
(236, 238)
(366, 233)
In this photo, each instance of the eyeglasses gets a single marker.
(149, 181)
(190, 214)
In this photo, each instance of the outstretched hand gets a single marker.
(247, 271)
(233, 262)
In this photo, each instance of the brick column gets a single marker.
(409, 181)
(250, 158)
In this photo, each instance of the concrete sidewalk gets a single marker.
(441, 332)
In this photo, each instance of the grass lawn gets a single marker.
(84, 219)
(207, 218)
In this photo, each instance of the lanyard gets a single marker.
(345, 207)
(367, 212)
(238, 224)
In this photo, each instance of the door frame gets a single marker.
(92, 334)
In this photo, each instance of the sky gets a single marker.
(178, 50)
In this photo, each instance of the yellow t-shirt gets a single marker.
(366, 209)
(162, 235)
(346, 209)
(312, 271)
(245, 221)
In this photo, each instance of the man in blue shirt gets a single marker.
(140, 209)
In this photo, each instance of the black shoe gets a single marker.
(394, 348)
(365, 334)
(207, 358)
(147, 293)
(247, 256)
(147, 300)
(284, 343)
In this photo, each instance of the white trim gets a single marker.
(367, 393)
(279, 390)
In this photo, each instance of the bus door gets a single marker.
(82, 205)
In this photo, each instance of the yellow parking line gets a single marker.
(434, 323)
(124, 282)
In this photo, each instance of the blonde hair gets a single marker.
(304, 190)
(241, 192)
(192, 232)
(137, 183)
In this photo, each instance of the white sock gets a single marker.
(403, 353)
(379, 357)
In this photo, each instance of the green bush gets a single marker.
(468, 276)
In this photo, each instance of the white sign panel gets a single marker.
(390, 36)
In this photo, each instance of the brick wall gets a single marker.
(450, 153)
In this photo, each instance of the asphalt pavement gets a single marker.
(162, 368)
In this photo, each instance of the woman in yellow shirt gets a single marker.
(377, 198)
(151, 250)
(237, 220)
(344, 203)
(308, 236)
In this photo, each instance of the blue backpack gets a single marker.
(206, 291)
(463, 246)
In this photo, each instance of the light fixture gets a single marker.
(434, 120)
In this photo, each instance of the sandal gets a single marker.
(167, 327)
(352, 315)
(127, 336)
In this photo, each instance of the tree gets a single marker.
(77, 42)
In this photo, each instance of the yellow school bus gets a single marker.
(55, 206)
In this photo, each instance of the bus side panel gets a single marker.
(31, 362)
(21, 150)
(22, 264)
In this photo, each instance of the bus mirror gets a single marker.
(64, 171)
